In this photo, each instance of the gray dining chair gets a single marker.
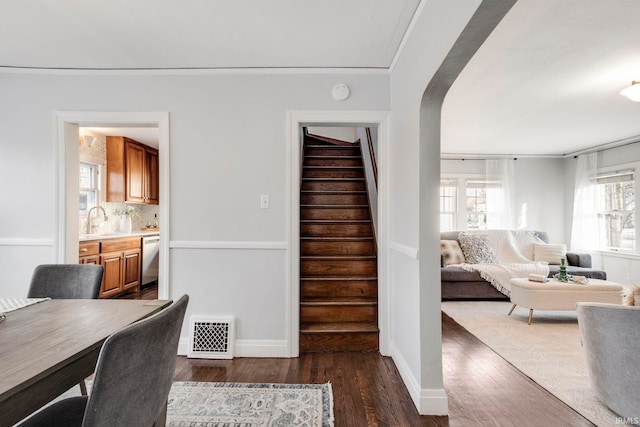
(134, 374)
(66, 281)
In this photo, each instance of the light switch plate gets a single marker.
(264, 201)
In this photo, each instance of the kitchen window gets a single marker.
(89, 186)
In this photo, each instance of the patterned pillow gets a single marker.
(451, 252)
(477, 248)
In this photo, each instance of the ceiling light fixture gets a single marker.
(632, 92)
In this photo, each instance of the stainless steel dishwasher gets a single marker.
(150, 259)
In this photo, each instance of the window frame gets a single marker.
(96, 189)
(635, 168)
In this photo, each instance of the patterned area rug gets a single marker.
(201, 404)
(548, 351)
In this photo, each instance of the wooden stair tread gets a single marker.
(334, 192)
(336, 301)
(339, 278)
(332, 157)
(336, 239)
(338, 327)
(331, 167)
(334, 206)
(332, 179)
(338, 257)
(336, 221)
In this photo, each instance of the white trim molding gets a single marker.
(20, 241)
(214, 244)
(413, 253)
(427, 401)
(247, 348)
(65, 143)
(294, 122)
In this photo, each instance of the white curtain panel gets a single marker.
(501, 195)
(584, 235)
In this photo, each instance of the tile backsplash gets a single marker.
(145, 215)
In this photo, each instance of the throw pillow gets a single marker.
(549, 253)
(633, 297)
(477, 249)
(451, 252)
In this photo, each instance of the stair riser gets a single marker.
(332, 151)
(338, 288)
(338, 268)
(334, 213)
(333, 185)
(331, 230)
(342, 313)
(333, 199)
(332, 161)
(328, 172)
(337, 248)
(355, 341)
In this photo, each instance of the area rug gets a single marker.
(201, 404)
(548, 351)
(210, 404)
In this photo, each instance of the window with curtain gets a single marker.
(478, 193)
(467, 202)
(449, 204)
(616, 206)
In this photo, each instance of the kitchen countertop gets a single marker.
(106, 236)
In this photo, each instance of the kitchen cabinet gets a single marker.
(121, 259)
(132, 171)
(89, 253)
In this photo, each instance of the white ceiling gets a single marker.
(545, 82)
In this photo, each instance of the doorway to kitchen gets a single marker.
(73, 129)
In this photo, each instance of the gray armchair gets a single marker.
(611, 340)
(66, 281)
(133, 377)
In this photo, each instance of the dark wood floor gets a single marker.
(483, 389)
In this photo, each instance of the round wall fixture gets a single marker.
(340, 92)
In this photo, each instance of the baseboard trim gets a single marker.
(427, 401)
(248, 348)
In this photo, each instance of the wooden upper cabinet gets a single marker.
(132, 171)
(152, 176)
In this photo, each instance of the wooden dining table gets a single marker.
(48, 347)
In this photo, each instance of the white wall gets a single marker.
(539, 191)
(227, 147)
(415, 310)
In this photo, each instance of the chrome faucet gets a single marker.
(104, 215)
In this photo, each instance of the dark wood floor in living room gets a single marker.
(483, 389)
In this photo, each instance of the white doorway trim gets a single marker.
(66, 125)
(295, 120)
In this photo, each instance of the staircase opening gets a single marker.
(338, 249)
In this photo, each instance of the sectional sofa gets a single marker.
(459, 284)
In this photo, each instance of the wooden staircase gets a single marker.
(338, 261)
